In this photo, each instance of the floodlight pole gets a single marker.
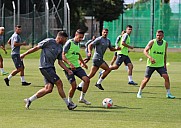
(3, 22)
(14, 10)
(18, 13)
(65, 15)
(152, 19)
(47, 17)
(68, 19)
(33, 26)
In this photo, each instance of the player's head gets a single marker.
(159, 35)
(18, 29)
(61, 37)
(79, 35)
(104, 32)
(1, 30)
(129, 29)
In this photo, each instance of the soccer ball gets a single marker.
(107, 103)
(140, 59)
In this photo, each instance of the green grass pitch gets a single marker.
(154, 110)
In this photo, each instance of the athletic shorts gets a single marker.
(50, 75)
(149, 71)
(79, 72)
(18, 62)
(122, 58)
(98, 62)
(115, 54)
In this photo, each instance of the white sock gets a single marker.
(81, 84)
(32, 98)
(66, 101)
(2, 70)
(100, 80)
(140, 91)
(168, 91)
(10, 76)
(23, 79)
(130, 78)
(82, 95)
(126, 67)
(69, 99)
(102, 71)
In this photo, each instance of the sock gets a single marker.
(81, 84)
(69, 99)
(2, 70)
(23, 79)
(102, 71)
(66, 101)
(140, 91)
(130, 78)
(100, 81)
(10, 76)
(32, 98)
(82, 95)
(168, 91)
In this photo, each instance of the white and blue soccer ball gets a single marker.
(107, 103)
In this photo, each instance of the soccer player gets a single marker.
(2, 46)
(51, 50)
(71, 56)
(100, 45)
(156, 52)
(122, 55)
(86, 49)
(15, 42)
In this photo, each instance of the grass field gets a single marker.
(154, 110)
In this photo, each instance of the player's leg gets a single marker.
(149, 71)
(127, 61)
(1, 66)
(107, 70)
(82, 75)
(23, 81)
(163, 72)
(114, 58)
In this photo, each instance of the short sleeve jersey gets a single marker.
(50, 52)
(100, 44)
(15, 49)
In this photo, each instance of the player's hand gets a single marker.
(152, 60)
(118, 48)
(89, 55)
(69, 72)
(72, 66)
(24, 43)
(131, 47)
(22, 56)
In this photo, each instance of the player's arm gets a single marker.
(9, 42)
(19, 44)
(126, 45)
(30, 51)
(112, 48)
(90, 47)
(165, 57)
(60, 62)
(146, 50)
(82, 62)
(2, 46)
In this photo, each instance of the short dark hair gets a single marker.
(18, 26)
(80, 31)
(159, 30)
(105, 29)
(129, 26)
(62, 33)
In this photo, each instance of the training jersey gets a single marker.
(118, 39)
(100, 45)
(15, 38)
(124, 50)
(157, 52)
(50, 52)
(72, 52)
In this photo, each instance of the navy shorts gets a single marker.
(122, 58)
(98, 62)
(79, 72)
(50, 75)
(18, 62)
(149, 71)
